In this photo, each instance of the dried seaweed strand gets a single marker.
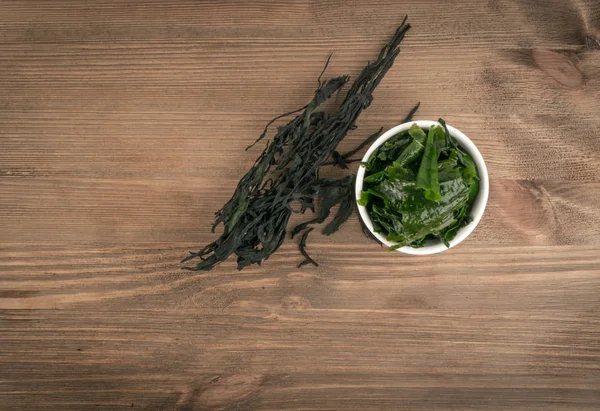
(302, 248)
(287, 171)
(342, 160)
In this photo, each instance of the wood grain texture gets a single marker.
(122, 129)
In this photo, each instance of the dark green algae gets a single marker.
(420, 185)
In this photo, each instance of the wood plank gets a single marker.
(302, 359)
(93, 210)
(494, 22)
(40, 275)
(366, 329)
(87, 114)
(122, 130)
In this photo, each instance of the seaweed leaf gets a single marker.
(427, 178)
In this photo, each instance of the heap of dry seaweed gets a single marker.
(287, 172)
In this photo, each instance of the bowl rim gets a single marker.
(431, 247)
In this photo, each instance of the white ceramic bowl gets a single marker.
(432, 246)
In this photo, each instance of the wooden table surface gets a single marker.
(122, 130)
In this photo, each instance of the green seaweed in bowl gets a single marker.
(420, 185)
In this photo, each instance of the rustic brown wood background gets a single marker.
(122, 129)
